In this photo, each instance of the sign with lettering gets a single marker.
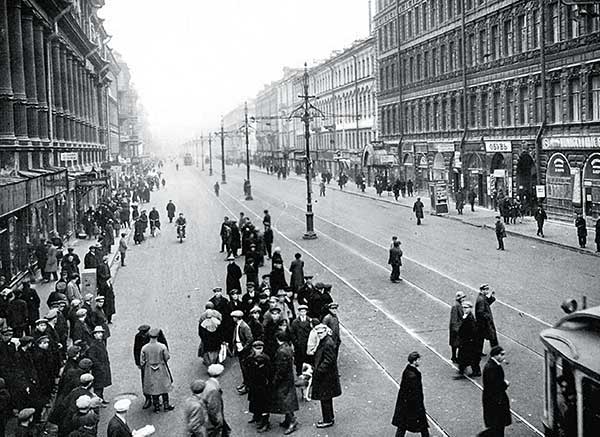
(68, 156)
(441, 147)
(540, 191)
(587, 142)
(423, 161)
(498, 146)
(592, 167)
(500, 173)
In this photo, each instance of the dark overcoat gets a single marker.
(496, 406)
(418, 209)
(283, 389)
(259, 374)
(278, 281)
(456, 315)
(297, 271)
(484, 317)
(234, 274)
(409, 413)
(468, 344)
(326, 379)
(116, 428)
(101, 364)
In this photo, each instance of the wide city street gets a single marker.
(166, 284)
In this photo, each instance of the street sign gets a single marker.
(68, 156)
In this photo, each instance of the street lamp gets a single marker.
(223, 177)
(210, 171)
(249, 186)
(306, 106)
(202, 147)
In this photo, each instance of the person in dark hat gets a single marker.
(23, 385)
(277, 278)
(483, 315)
(140, 340)
(223, 306)
(30, 295)
(263, 303)
(331, 321)
(259, 380)
(251, 267)
(194, 412)
(409, 414)
(249, 299)
(395, 260)
(98, 317)
(47, 367)
(255, 323)
(98, 353)
(157, 376)
(297, 271)
(276, 258)
(266, 282)
(468, 342)
(306, 290)
(271, 324)
(500, 233)
(299, 332)
(89, 260)
(105, 288)
(496, 405)
(234, 274)
(241, 344)
(17, 314)
(268, 240)
(318, 301)
(70, 379)
(456, 317)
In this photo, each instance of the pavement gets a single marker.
(558, 233)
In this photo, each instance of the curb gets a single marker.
(449, 217)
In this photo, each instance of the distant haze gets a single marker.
(195, 60)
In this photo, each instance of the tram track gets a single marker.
(407, 329)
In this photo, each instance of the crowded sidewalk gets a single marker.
(557, 233)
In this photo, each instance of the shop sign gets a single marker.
(577, 187)
(68, 156)
(592, 167)
(571, 143)
(498, 146)
(421, 148)
(423, 161)
(441, 147)
(500, 173)
(540, 191)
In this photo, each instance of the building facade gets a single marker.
(54, 112)
(266, 124)
(235, 139)
(345, 90)
(129, 124)
(494, 95)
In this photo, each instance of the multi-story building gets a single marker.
(129, 125)
(267, 134)
(53, 116)
(345, 91)
(235, 139)
(494, 95)
(113, 139)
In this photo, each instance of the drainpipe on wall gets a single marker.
(400, 108)
(464, 99)
(538, 137)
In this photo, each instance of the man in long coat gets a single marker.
(284, 399)
(98, 353)
(157, 376)
(418, 210)
(216, 426)
(469, 353)
(299, 332)
(195, 414)
(325, 379)
(395, 260)
(140, 340)
(259, 368)
(241, 345)
(484, 316)
(456, 315)
(268, 239)
(117, 426)
(496, 406)
(331, 321)
(234, 245)
(234, 274)
(297, 271)
(105, 288)
(409, 414)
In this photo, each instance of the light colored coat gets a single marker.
(195, 415)
(157, 376)
(51, 261)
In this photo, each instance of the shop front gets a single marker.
(441, 155)
(475, 176)
(380, 161)
(591, 186)
(559, 186)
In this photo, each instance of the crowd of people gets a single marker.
(54, 365)
(284, 335)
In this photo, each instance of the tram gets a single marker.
(572, 374)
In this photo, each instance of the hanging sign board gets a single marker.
(498, 146)
(68, 156)
(540, 191)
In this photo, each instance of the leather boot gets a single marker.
(147, 403)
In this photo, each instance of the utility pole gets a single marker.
(202, 150)
(306, 106)
(249, 189)
(210, 172)
(223, 177)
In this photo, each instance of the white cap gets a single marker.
(215, 369)
(122, 405)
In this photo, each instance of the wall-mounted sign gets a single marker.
(587, 142)
(500, 173)
(441, 147)
(540, 191)
(498, 146)
(68, 156)
(423, 161)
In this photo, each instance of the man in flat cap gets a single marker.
(70, 378)
(484, 317)
(80, 329)
(468, 342)
(306, 290)
(98, 353)
(117, 426)
(318, 301)
(216, 426)
(241, 345)
(496, 405)
(90, 260)
(25, 427)
(30, 295)
(194, 413)
(259, 380)
(140, 340)
(157, 376)
(255, 324)
(456, 316)
(326, 378)
(299, 332)
(409, 414)
(97, 317)
(250, 298)
(62, 412)
(331, 321)
(47, 365)
(395, 260)
(234, 274)
(23, 385)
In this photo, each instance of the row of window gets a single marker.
(513, 105)
(343, 74)
(346, 108)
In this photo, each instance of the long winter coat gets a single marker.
(409, 413)
(51, 260)
(484, 317)
(101, 364)
(234, 274)
(326, 379)
(297, 271)
(157, 376)
(456, 315)
(496, 406)
(418, 209)
(468, 344)
(259, 372)
(283, 389)
(277, 279)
